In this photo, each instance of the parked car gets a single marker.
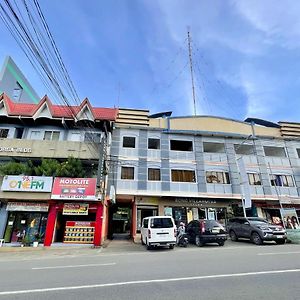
(158, 231)
(257, 230)
(201, 232)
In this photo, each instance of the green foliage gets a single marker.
(71, 168)
(16, 168)
(48, 167)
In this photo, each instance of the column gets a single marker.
(133, 218)
(50, 225)
(98, 225)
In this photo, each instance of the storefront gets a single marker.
(75, 213)
(26, 205)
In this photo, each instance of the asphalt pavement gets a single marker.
(124, 270)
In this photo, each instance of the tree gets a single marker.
(48, 167)
(16, 168)
(71, 168)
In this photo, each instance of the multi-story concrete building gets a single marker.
(187, 167)
(15, 85)
(44, 130)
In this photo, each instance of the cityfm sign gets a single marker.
(27, 184)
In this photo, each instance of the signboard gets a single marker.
(27, 184)
(79, 209)
(27, 206)
(290, 218)
(15, 149)
(74, 188)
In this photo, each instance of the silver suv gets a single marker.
(257, 230)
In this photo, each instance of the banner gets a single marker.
(39, 184)
(246, 193)
(74, 188)
(290, 218)
(77, 209)
(27, 206)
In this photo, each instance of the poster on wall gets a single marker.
(168, 211)
(78, 209)
(74, 188)
(27, 184)
(195, 213)
(290, 218)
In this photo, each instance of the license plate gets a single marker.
(215, 230)
(279, 236)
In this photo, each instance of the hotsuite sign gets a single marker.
(27, 183)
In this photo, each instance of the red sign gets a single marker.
(74, 188)
(80, 224)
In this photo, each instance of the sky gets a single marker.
(134, 54)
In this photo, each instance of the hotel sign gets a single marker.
(39, 184)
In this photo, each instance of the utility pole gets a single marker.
(192, 71)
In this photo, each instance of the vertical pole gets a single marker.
(98, 225)
(192, 72)
(50, 225)
(133, 218)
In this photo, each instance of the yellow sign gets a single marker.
(81, 209)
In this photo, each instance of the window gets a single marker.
(76, 136)
(153, 174)
(161, 223)
(282, 180)
(210, 147)
(217, 177)
(153, 144)
(274, 151)
(298, 152)
(244, 149)
(4, 133)
(92, 137)
(35, 135)
(128, 142)
(127, 173)
(254, 179)
(51, 135)
(183, 176)
(181, 145)
(17, 92)
(19, 133)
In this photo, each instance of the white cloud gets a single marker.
(278, 20)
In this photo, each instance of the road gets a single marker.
(236, 271)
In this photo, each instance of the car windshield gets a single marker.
(161, 223)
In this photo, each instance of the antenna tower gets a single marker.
(192, 71)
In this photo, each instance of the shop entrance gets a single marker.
(120, 220)
(144, 212)
(30, 225)
(63, 219)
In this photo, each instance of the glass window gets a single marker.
(274, 151)
(161, 223)
(92, 137)
(76, 136)
(217, 177)
(153, 144)
(254, 179)
(281, 180)
(127, 173)
(153, 174)
(177, 145)
(4, 133)
(51, 135)
(183, 176)
(210, 147)
(35, 135)
(128, 142)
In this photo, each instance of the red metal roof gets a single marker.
(57, 111)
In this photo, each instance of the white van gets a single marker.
(158, 231)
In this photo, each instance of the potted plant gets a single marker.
(37, 239)
(25, 241)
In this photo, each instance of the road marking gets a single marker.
(73, 266)
(279, 253)
(92, 286)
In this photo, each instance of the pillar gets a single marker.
(133, 218)
(50, 225)
(98, 225)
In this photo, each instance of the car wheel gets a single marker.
(281, 242)
(256, 239)
(221, 243)
(198, 241)
(233, 236)
(171, 246)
